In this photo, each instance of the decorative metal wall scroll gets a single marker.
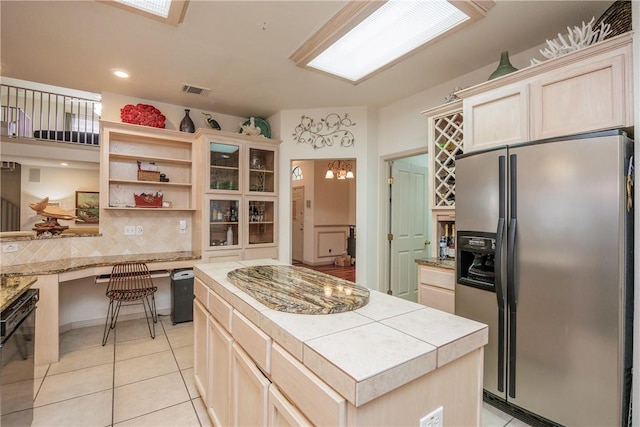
(327, 132)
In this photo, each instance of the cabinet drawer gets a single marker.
(201, 291)
(438, 277)
(256, 343)
(438, 298)
(220, 310)
(319, 403)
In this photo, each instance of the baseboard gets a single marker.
(101, 321)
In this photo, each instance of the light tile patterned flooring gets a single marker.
(133, 381)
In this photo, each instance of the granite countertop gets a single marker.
(448, 263)
(70, 264)
(299, 290)
(362, 354)
(12, 287)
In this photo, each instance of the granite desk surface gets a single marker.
(12, 287)
(449, 264)
(78, 263)
(364, 353)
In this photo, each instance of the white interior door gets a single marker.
(409, 226)
(297, 224)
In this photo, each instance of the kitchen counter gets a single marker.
(12, 287)
(65, 265)
(367, 353)
(449, 264)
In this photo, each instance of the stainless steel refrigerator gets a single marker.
(544, 257)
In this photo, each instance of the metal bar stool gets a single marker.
(130, 283)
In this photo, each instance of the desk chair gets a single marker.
(130, 283)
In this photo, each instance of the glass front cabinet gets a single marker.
(239, 209)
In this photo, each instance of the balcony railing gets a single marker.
(40, 115)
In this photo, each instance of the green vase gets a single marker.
(504, 67)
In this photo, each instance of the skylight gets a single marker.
(167, 11)
(356, 44)
(157, 7)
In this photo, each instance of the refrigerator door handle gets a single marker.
(499, 283)
(511, 271)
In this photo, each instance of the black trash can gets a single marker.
(182, 296)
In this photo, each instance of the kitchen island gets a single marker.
(389, 362)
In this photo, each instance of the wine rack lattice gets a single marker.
(448, 139)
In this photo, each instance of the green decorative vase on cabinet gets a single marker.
(504, 67)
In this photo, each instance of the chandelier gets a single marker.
(339, 169)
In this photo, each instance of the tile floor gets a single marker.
(133, 381)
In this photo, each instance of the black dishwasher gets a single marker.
(17, 343)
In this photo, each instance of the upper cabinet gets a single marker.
(583, 91)
(147, 168)
(239, 204)
(445, 143)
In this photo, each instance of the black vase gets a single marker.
(186, 125)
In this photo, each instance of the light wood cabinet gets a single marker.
(584, 91)
(219, 356)
(239, 212)
(446, 137)
(282, 413)
(200, 347)
(124, 147)
(436, 288)
(498, 117)
(249, 391)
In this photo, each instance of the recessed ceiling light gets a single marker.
(367, 37)
(121, 74)
(64, 164)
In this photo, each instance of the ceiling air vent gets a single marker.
(194, 89)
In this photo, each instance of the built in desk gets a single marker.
(50, 274)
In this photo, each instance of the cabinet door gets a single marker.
(497, 117)
(262, 170)
(224, 167)
(200, 366)
(588, 96)
(261, 216)
(437, 288)
(282, 413)
(249, 391)
(219, 363)
(223, 219)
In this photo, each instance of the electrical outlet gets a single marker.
(433, 419)
(183, 225)
(139, 230)
(10, 247)
(129, 230)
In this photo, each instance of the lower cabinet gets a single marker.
(436, 288)
(219, 356)
(281, 412)
(249, 391)
(200, 363)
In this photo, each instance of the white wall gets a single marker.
(364, 150)
(60, 185)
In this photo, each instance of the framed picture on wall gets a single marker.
(87, 207)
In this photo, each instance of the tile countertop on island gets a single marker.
(12, 287)
(362, 354)
(448, 263)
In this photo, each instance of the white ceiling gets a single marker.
(240, 50)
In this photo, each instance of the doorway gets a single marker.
(323, 213)
(408, 228)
